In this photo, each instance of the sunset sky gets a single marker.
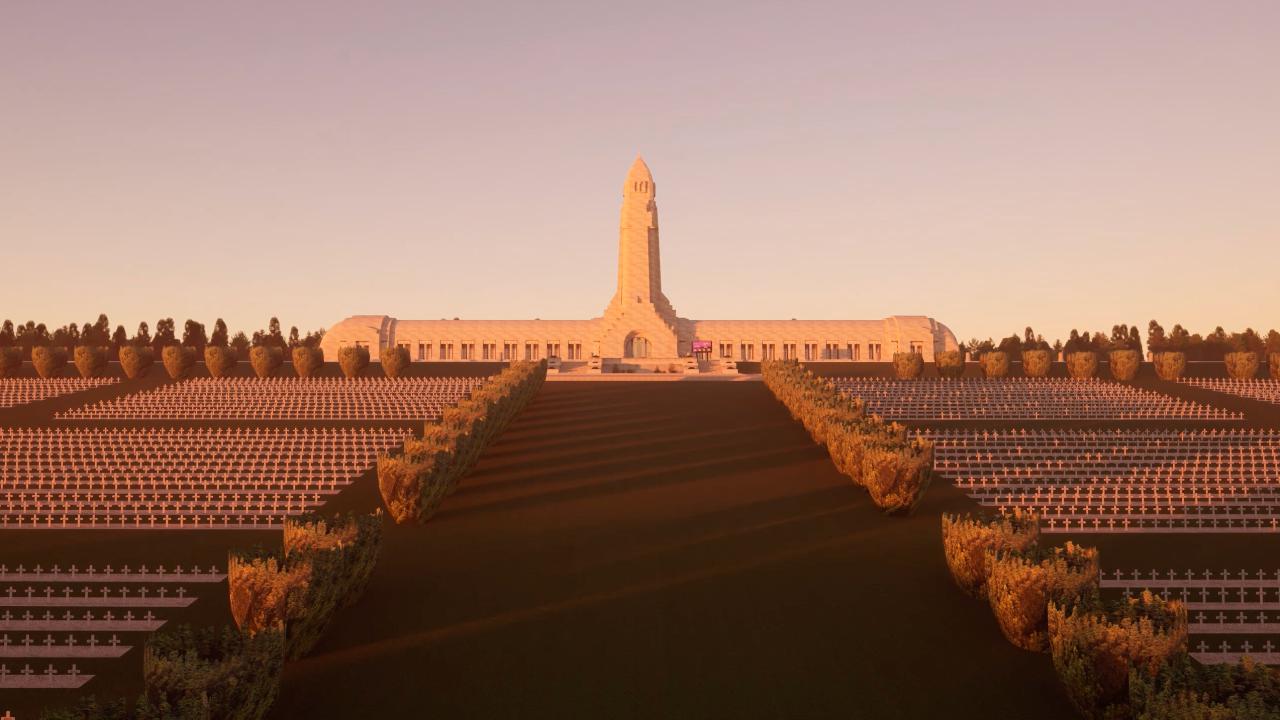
(990, 164)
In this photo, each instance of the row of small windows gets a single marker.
(806, 351)
(491, 351)
(573, 351)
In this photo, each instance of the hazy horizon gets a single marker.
(992, 165)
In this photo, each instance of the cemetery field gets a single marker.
(637, 550)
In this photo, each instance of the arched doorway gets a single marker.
(637, 347)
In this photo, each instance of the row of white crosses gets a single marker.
(1223, 652)
(160, 596)
(89, 647)
(50, 677)
(194, 574)
(127, 622)
(53, 521)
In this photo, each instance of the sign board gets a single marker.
(701, 346)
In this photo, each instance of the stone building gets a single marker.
(640, 328)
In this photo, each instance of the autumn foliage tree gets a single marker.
(1020, 586)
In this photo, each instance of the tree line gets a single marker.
(31, 335)
(1213, 346)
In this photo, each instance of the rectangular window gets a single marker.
(446, 351)
(422, 352)
(553, 350)
(726, 350)
(766, 351)
(748, 352)
(490, 350)
(810, 351)
(508, 351)
(468, 351)
(575, 351)
(531, 351)
(873, 352)
(917, 347)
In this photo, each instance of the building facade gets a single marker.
(640, 326)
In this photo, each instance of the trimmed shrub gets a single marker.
(265, 359)
(950, 363)
(1273, 365)
(353, 359)
(48, 361)
(178, 360)
(966, 541)
(1170, 365)
(10, 361)
(1124, 364)
(878, 456)
(1036, 363)
(897, 474)
(357, 537)
(90, 360)
(394, 360)
(1187, 690)
(211, 673)
(1242, 365)
(995, 364)
(307, 361)
(908, 365)
(415, 482)
(263, 591)
(1082, 365)
(220, 361)
(1095, 651)
(135, 361)
(1020, 586)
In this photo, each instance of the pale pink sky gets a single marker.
(992, 164)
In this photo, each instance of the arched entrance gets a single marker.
(637, 347)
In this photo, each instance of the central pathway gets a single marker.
(665, 550)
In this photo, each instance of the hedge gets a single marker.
(908, 365)
(1242, 365)
(265, 360)
(1036, 363)
(353, 359)
(220, 361)
(394, 360)
(90, 360)
(876, 455)
(324, 565)
(1124, 364)
(950, 363)
(226, 672)
(1170, 365)
(995, 364)
(136, 361)
(1186, 689)
(415, 482)
(966, 541)
(48, 361)
(178, 360)
(1095, 650)
(196, 674)
(307, 360)
(1020, 586)
(1082, 365)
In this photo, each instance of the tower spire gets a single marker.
(639, 258)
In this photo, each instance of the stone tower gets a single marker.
(640, 321)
